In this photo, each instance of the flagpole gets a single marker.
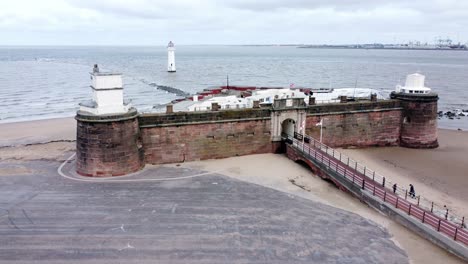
(321, 125)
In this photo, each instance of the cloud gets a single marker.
(232, 21)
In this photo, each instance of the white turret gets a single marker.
(171, 57)
(414, 85)
(107, 94)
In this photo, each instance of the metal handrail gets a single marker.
(423, 209)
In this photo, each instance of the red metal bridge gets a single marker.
(331, 164)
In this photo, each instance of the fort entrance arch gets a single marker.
(288, 127)
(287, 115)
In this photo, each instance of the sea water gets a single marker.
(46, 82)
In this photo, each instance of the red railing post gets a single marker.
(409, 210)
(455, 236)
(353, 177)
(373, 176)
(463, 222)
(424, 214)
(363, 184)
(373, 193)
(384, 196)
(438, 226)
(396, 205)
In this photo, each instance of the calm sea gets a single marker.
(47, 82)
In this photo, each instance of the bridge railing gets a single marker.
(423, 209)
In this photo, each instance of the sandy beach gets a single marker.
(439, 174)
(53, 139)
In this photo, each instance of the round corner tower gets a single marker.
(108, 136)
(419, 115)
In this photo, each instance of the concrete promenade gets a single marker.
(153, 218)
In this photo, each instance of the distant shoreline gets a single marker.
(373, 48)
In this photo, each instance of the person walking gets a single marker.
(412, 193)
(394, 188)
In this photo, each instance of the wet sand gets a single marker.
(40, 131)
(277, 172)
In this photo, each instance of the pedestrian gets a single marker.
(394, 188)
(412, 193)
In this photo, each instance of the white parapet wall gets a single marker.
(107, 96)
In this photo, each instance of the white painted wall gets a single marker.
(107, 95)
(171, 59)
(106, 81)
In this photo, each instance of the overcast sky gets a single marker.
(154, 22)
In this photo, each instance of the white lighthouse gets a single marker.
(171, 57)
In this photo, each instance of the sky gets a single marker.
(193, 22)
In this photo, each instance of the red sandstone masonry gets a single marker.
(108, 148)
(419, 120)
(380, 128)
(122, 144)
(206, 141)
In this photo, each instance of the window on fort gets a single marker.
(407, 119)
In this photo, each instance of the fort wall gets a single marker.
(357, 124)
(117, 145)
(419, 120)
(179, 137)
(108, 145)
